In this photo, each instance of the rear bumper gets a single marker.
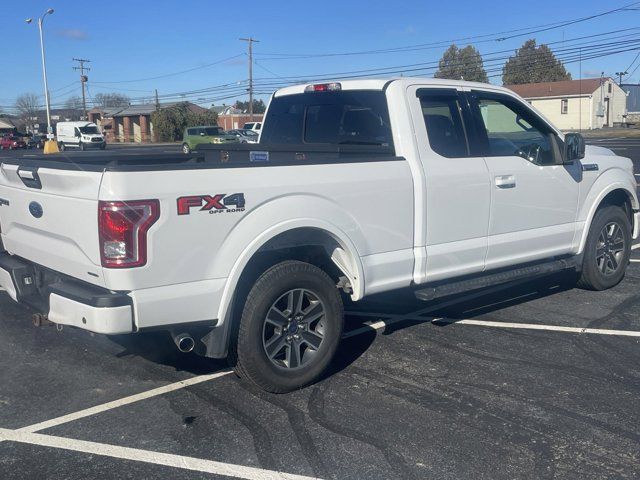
(65, 300)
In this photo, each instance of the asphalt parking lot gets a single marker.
(537, 380)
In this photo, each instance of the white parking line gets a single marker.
(634, 260)
(382, 324)
(123, 401)
(534, 326)
(146, 456)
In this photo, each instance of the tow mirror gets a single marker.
(573, 147)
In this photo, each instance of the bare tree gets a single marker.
(28, 106)
(106, 100)
(74, 105)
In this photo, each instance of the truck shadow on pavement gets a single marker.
(158, 347)
(457, 307)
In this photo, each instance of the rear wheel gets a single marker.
(62, 147)
(607, 251)
(290, 327)
(185, 149)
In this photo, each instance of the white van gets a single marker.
(80, 135)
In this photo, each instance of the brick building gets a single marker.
(131, 123)
(231, 118)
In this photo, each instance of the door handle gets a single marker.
(505, 181)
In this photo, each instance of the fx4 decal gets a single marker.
(218, 203)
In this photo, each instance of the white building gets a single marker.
(577, 104)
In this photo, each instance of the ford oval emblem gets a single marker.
(35, 209)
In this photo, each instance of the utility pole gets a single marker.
(250, 41)
(620, 75)
(83, 80)
(157, 101)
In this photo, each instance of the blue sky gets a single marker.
(132, 40)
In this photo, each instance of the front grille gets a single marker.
(96, 140)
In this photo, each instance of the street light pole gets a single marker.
(49, 147)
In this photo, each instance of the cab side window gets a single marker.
(510, 129)
(442, 113)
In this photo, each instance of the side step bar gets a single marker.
(491, 279)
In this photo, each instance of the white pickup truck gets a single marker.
(355, 188)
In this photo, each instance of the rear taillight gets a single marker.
(123, 231)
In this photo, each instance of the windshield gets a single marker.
(249, 133)
(213, 131)
(89, 129)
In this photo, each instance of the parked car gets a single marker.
(36, 141)
(80, 135)
(12, 142)
(255, 126)
(359, 187)
(245, 136)
(194, 136)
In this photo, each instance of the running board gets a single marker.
(491, 279)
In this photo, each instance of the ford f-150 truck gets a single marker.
(356, 187)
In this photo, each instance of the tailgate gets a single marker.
(50, 216)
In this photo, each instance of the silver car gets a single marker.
(244, 135)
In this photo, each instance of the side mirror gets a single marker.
(573, 147)
(202, 134)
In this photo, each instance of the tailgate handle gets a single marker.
(30, 177)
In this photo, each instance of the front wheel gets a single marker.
(290, 327)
(185, 149)
(607, 251)
(81, 146)
(62, 147)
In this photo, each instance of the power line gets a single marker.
(175, 73)
(498, 36)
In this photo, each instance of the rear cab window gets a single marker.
(443, 118)
(347, 117)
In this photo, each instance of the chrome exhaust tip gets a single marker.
(184, 342)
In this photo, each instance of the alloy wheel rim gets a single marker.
(294, 329)
(610, 249)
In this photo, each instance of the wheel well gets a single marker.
(310, 245)
(619, 198)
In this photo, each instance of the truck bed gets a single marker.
(211, 156)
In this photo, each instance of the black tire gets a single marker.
(103, 146)
(600, 257)
(81, 146)
(185, 149)
(248, 352)
(62, 147)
